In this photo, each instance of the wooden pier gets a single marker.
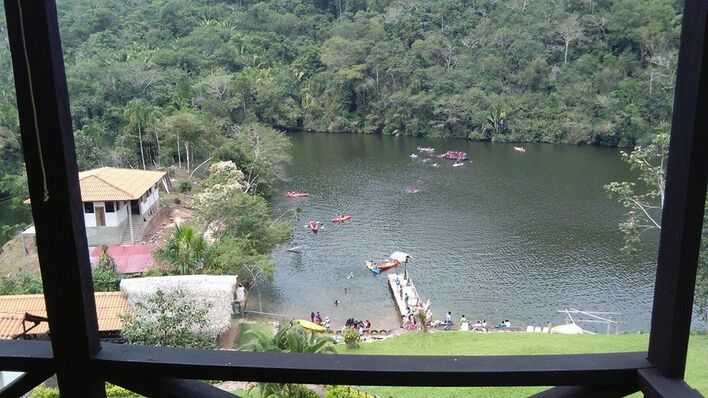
(399, 288)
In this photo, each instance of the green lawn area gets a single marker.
(465, 343)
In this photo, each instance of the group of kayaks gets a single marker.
(315, 225)
(376, 268)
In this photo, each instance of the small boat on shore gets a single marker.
(293, 194)
(341, 218)
(426, 149)
(311, 326)
(520, 149)
(314, 227)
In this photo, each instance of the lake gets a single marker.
(507, 236)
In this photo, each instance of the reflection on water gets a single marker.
(508, 236)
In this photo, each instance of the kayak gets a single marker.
(292, 194)
(457, 164)
(454, 155)
(425, 149)
(341, 218)
(313, 226)
(372, 267)
(388, 265)
(311, 326)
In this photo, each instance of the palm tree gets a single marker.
(291, 338)
(496, 120)
(185, 251)
(137, 114)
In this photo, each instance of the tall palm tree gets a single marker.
(138, 113)
(184, 251)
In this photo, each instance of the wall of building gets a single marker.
(97, 236)
(112, 232)
(149, 201)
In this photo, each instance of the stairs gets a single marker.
(138, 230)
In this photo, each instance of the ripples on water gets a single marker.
(508, 236)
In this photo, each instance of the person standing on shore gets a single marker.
(448, 321)
(312, 317)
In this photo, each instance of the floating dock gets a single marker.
(399, 291)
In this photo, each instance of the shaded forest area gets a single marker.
(157, 82)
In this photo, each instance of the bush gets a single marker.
(22, 283)
(111, 392)
(105, 279)
(185, 187)
(351, 337)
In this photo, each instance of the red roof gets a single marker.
(129, 259)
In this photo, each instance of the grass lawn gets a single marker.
(465, 343)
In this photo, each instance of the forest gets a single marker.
(157, 82)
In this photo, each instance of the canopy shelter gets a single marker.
(402, 258)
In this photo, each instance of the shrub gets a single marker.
(185, 187)
(351, 337)
(111, 392)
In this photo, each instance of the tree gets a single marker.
(569, 30)
(644, 207)
(191, 128)
(496, 122)
(138, 114)
(170, 319)
(184, 251)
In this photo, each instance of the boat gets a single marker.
(372, 267)
(520, 149)
(341, 218)
(293, 194)
(413, 155)
(313, 226)
(457, 164)
(454, 155)
(311, 326)
(388, 265)
(435, 165)
(425, 149)
(412, 190)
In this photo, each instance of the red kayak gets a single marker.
(313, 226)
(292, 194)
(388, 265)
(341, 218)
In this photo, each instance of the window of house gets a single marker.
(110, 207)
(88, 207)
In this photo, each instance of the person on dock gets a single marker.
(405, 299)
(448, 321)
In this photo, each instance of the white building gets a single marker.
(118, 203)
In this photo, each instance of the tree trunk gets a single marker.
(378, 90)
(565, 58)
(157, 140)
(186, 153)
(179, 155)
(140, 137)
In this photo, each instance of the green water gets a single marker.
(508, 236)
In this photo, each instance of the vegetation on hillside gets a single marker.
(153, 83)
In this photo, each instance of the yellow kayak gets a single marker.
(311, 325)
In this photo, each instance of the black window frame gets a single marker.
(82, 363)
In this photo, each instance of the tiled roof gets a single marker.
(109, 307)
(110, 183)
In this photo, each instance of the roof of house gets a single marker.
(131, 259)
(110, 183)
(109, 307)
